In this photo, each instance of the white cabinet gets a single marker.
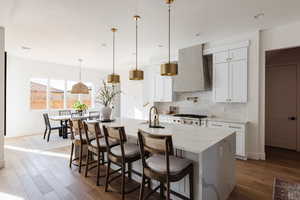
(240, 130)
(160, 88)
(230, 76)
(221, 82)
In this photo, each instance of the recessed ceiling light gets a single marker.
(259, 15)
(25, 48)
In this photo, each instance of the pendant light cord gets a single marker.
(114, 52)
(80, 61)
(136, 43)
(170, 33)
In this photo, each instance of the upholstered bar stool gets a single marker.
(78, 138)
(124, 154)
(160, 164)
(96, 147)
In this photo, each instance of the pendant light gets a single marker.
(113, 78)
(80, 88)
(169, 69)
(136, 74)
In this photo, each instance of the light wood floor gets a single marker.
(37, 174)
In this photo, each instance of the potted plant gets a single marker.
(106, 96)
(80, 107)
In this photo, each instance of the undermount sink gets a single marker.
(156, 127)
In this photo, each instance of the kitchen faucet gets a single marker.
(156, 118)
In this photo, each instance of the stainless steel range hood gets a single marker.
(194, 70)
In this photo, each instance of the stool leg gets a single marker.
(80, 158)
(191, 182)
(141, 197)
(129, 171)
(123, 181)
(87, 163)
(107, 176)
(161, 190)
(98, 167)
(71, 157)
(168, 190)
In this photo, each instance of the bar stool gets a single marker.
(78, 138)
(125, 153)
(160, 164)
(96, 146)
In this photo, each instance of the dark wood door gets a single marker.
(281, 118)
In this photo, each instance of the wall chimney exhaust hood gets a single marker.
(195, 71)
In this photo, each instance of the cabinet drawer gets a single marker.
(236, 127)
(221, 57)
(238, 54)
(212, 124)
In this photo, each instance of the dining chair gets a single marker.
(94, 115)
(96, 147)
(49, 128)
(79, 140)
(124, 154)
(160, 164)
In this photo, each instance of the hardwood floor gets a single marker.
(37, 174)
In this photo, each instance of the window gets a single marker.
(56, 94)
(71, 98)
(38, 94)
(87, 98)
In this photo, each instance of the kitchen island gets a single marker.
(212, 150)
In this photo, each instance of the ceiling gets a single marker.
(61, 31)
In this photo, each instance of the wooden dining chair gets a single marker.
(79, 140)
(49, 128)
(124, 154)
(96, 147)
(160, 164)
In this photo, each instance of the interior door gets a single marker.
(282, 97)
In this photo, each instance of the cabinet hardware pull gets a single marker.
(235, 127)
(217, 125)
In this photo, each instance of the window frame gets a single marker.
(48, 108)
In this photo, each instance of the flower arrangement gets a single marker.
(106, 95)
(78, 106)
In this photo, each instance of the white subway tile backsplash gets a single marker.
(205, 105)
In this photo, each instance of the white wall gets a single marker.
(1, 97)
(276, 38)
(21, 120)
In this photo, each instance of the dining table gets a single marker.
(63, 119)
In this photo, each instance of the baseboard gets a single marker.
(2, 164)
(256, 156)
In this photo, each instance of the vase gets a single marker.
(106, 113)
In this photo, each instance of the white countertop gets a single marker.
(188, 138)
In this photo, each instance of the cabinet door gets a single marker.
(238, 54)
(221, 82)
(158, 94)
(220, 57)
(238, 81)
(167, 89)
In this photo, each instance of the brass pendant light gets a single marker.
(136, 74)
(169, 69)
(113, 78)
(80, 88)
